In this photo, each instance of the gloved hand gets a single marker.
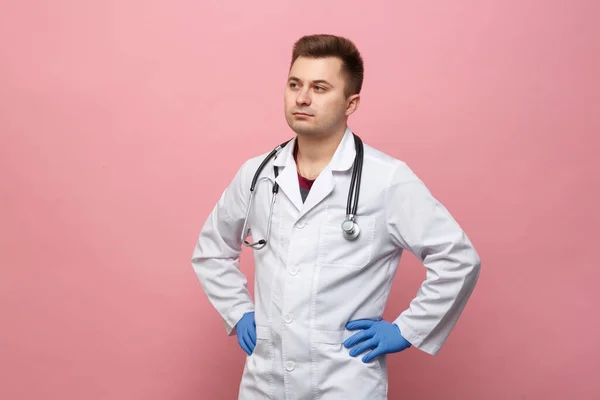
(382, 336)
(246, 332)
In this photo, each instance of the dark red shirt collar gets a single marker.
(304, 183)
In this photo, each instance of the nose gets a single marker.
(303, 97)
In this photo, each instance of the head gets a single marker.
(323, 86)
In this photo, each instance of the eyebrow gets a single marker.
(293, 78)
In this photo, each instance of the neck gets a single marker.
(318, 150)
(314, 153)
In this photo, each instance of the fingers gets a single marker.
(364, 346)
(252, 332)
(373, 354)
(247, 333)
(360, 324)
(358, 337)
(243, 344)
(248, 342)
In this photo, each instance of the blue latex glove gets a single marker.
(382, 336)
(246, 332)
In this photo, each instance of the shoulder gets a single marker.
(248, 168)
(396, 170)
(254, 161)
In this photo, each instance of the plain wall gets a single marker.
(121, 122)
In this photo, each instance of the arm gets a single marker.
(216, 256)
(420, 224)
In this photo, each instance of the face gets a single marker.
(315, 103)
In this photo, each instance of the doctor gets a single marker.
(315, 328)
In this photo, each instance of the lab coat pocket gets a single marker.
(263, 332)
(262, 348)
(256, 379)
(337, 251)
(341, 376)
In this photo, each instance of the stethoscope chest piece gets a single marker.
(350, 229)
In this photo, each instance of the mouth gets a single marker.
(299, 114)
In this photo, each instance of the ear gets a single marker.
(352, 104)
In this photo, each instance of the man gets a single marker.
(319, 297)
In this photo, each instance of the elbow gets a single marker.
(476, 261)
(475, 266)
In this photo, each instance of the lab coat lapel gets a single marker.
(325, 183)
(342, 160)
(288, 175)
(320, 189)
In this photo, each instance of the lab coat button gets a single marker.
(289, 366)
(288, 318)
(301, 224)
(294, 271)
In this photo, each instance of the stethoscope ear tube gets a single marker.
(262, 242)
(265, 161)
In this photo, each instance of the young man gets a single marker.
(319, 296)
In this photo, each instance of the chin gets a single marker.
(304, 129)
(300, 127)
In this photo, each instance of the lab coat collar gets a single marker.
(287, 180)
(341, 161)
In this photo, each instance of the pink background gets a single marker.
(121, 122)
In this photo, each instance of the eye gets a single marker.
(293, 85)
(319, 88)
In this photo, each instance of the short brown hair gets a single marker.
(324, 45)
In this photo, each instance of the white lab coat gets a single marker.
(310, 281)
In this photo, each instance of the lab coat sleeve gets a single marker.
(217, 253)
(420, 224)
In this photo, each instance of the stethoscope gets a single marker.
(350, 228)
